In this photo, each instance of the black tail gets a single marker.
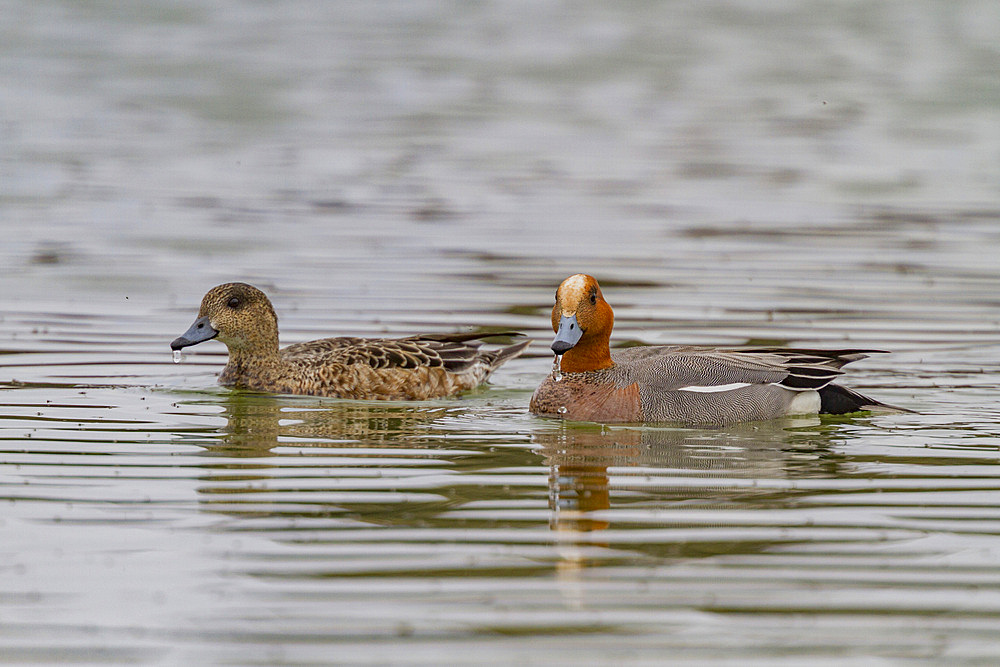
(837, 400)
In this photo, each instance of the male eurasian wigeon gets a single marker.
(702, 385)
(414, 368)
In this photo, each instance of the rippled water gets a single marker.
(810, 175)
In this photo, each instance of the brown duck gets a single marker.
(657, 383)
(414, 368)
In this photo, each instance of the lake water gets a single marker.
(804, 174)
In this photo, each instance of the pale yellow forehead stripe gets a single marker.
(572, 291)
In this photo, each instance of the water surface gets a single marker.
(802, 175)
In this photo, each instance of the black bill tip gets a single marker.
(560, 346)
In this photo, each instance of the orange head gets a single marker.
(582, 320)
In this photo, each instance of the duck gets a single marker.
(686, 384)
(417, 367)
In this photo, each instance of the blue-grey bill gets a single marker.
(199, 332)
(568, 335)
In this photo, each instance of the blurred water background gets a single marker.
(795, 172)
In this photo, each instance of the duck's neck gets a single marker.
(240, 358)
(587, 356)
(244, 366)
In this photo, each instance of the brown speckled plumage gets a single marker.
(414, 368)
(680, 383)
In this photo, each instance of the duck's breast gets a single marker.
(592, 396)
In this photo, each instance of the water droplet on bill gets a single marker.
(177, 356)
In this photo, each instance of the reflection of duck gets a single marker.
(256, 423)
(680, 384)
(351, 456)
(599, 473)
(414, 368)
(268, 436)
(580, 456)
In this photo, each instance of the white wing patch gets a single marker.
(711, 389)
(806, 401)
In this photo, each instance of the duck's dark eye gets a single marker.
(593, 298)
(235, 301)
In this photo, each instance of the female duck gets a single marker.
(680, 384)
(415, 368)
